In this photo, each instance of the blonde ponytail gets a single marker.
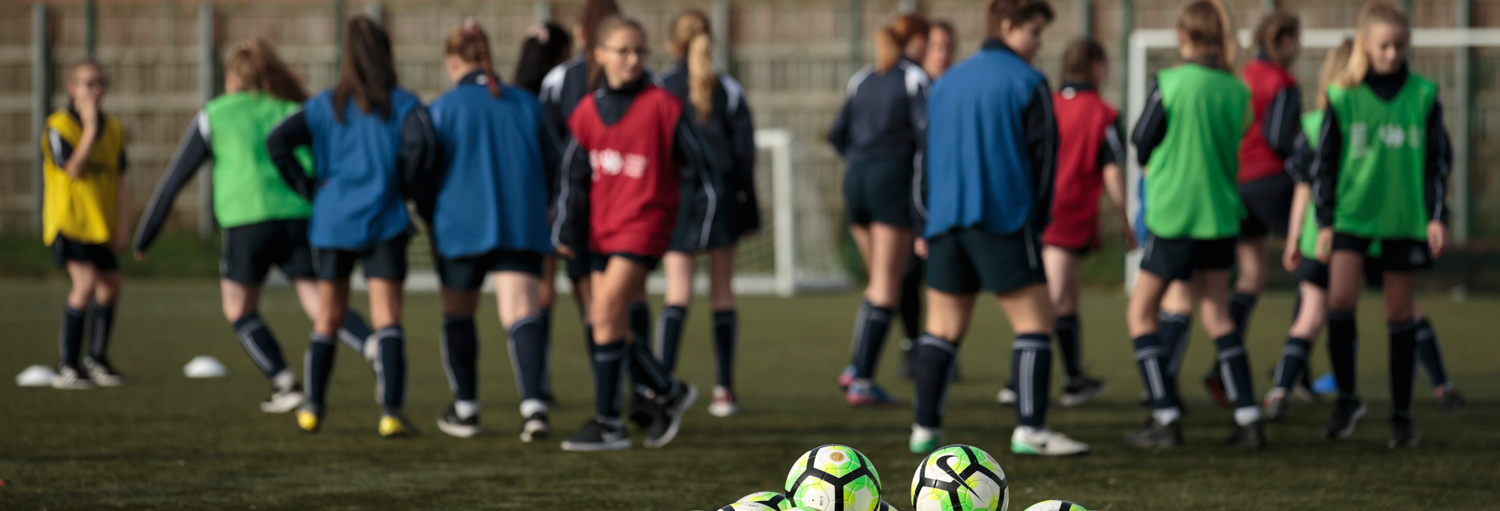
(690, 36)
(1376, 11)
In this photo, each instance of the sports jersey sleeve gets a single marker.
(1282, 124)
(688, 148)
(838, 134)
(1301, 158)
(742, 143)
(1151, 129)
(570, 228)
(1111, 149)
(1439, 161)
(189, 157)
(59, 146)
(417, 161)
(281, 143)
(1041, 138)
(1323, 173)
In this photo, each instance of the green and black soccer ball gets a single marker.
(959, 478)
(834, 478)
(774, 500)
(1055, 505)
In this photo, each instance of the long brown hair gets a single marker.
(594, 14)
(255, 63)
(1210, 30)
(469, 43)
(1268, 33)
(1333, 66)
(1016, 12)
(690, 35)
(368, 71)
(891, 41)
(1079, 59)
(1377, 11)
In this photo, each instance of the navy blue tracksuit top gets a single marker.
(885, 115)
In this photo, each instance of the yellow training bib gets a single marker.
(81, 209)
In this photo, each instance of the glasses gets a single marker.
(623, 52)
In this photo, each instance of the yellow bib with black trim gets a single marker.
(81, 209)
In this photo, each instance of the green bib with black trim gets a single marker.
(1192, 191)
(247, 187)
(1380, 180)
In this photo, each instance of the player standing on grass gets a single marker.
(85, 219)
(1188, 138)
(1264, 185)
(1090, 154)
(264, 221)
(638, 141)
(878, 133)
(489, 217)
(717, 208)
(373, 146)
(937, 60)
(993, 143)
(1379, 176)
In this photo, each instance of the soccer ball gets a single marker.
(834, 478)
(1055, 505)
(959, 478)
(774, 500)
(748, 506)
(886, 506)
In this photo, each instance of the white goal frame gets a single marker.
(1142, 41)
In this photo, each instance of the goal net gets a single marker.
(1435, 54)
(795, 250)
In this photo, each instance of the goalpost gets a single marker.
(794, 251)
(1143, 41)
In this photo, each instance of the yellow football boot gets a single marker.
(308, 420)
(395, 426)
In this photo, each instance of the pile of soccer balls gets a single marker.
(839, 478)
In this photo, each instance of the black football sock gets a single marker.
(528, 351)
(1151, 359)
(1173, 331)
(726, 330)
(70, 340)
(1293, 362)
(640, 323)
(647, 371)
(910, 307)
(1431, 354)
(869, 337)
(460, 350)
(355, 331)
(933, 372)
(317, 368)
(669, 339)
(1031, 363)
(99, 333)
(609, 366)
(1234, 367)
(1068, 331)
(260, 344)
(545, 317)
(1343, 350)
(1241, 305)
(390, 368)
(1403, 367)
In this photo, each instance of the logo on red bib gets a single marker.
(610, 162)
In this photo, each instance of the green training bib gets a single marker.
(1379, 192)
(1192, 192)
(247, 188)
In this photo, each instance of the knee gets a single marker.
(1342, 302)
(1399, 312)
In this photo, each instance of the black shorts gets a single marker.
(697, 230)
(598, 262)
(250, 250)
(467, 273)
(1179, 259)
(1268, 201)
(965, 261)
(879, 191)
(386, 260)
(1313, 272)
(1395, 254)
(64, 250)
(1082, 251)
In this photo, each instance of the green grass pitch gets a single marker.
(167, 442)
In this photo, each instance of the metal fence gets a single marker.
(793, 57)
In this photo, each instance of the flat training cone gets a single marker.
(204, 366)
(35, 376)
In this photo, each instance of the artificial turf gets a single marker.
(168, 442)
